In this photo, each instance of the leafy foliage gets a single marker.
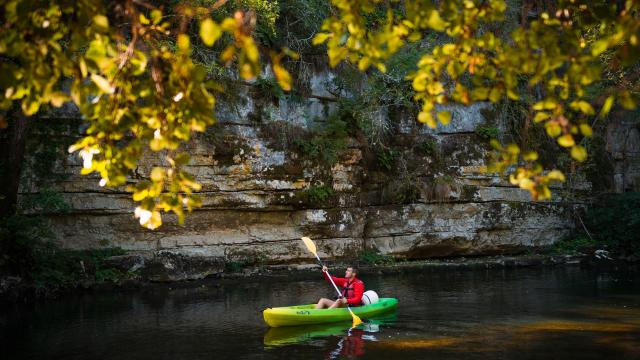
(373, 257)
(615, 221)
(128, 67)
(54, 267)
(143, 83)
(234, 266)
(299, 20)
(387, 157)
(45, 201)
(318, 193)
(557, 55)
(574, 246)
(428, 147)
(407, 192)
(19, 235)
(488, 132)
(269, 87)
(327, 142)
(27, 251)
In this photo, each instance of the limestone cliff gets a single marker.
(421, 195)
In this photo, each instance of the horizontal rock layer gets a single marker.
(430, 199)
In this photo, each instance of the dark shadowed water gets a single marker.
(508, 314)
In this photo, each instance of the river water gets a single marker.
(560, 313)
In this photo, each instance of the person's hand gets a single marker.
(324, 268)
(343, 300)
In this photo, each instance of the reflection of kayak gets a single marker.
(306, 314)
(298, 334)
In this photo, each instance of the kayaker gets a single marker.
(352, 289)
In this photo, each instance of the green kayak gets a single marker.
(306, 314)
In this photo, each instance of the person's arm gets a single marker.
(337, 280)
(358, 290)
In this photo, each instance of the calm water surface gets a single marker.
(508, 314)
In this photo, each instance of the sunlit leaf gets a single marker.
(583, 106)
(444, 117)
(320, 38)
(425, 117)
(566, 140)
(586, 130)
(210, 32)
(541, 116)
(184, 44)
(101, 22)
(579, 153)
(435, 22)
(530, 156)
(556, 175)
(283, 77)
(606, 107)
(102, 83)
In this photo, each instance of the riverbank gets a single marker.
(174, 271)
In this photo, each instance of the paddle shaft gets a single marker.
(334, 284)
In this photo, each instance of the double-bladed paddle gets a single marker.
(312, 248)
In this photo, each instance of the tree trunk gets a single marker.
(13, 148)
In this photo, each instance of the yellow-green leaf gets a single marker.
(184, 44)
(546, 104)
(320, 38)
(556, 175)
(583, 107)
(252, 52)
(626, 100)
(530, 156)
(425, 117)
(495, 95)
(143, 19)
(541, 116)
(156, 16)
(566, 140)
(586, 130)
(101, 22)
(480, 93)
(210, 32)
(102, 83)
(157, 174)
(283, 77)
(606, 107)
(444, 117)
(420, 82)
(435, 22)
(579, 153)
(599, 47)
(553, 129)
(58, 98)
(513, 149)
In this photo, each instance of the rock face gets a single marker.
(424, 196)
(623, 143)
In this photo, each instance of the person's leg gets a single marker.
(336, 304)
(324, 303)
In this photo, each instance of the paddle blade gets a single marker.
(310, 245)
(356, 320)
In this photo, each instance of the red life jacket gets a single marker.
(348, 290)
(351, 290)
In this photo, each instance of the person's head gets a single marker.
(351, 272)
